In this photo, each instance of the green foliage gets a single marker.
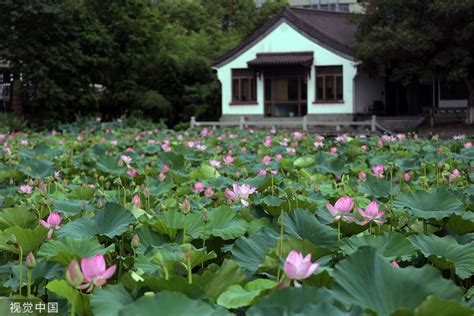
(418, 40)
(151, 58)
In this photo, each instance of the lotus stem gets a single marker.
(190, 272)
(339, 231)
(184, 230)
(425, 227)
(21, 269)
(28, 284)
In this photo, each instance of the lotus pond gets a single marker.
(112, 220)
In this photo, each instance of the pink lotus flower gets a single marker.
(456, 173)
(333, 150)
(468, 145)
(126, 159)
(342, 206)
(362, 176)
(198, 187)
(298, 268)
(165, 168)
(57, 175)
(407, 177)
(266, 160)
(241, 193)
(291, 150)
(262, 172)
(317, 145)
(371, 214)
(394, 264)
(132, 172)
(378, 171)
(364, 148)
(136, 200)
(25, 189)
(52, 223)
(161, 176)
(166, 147)
(215, 163)
(113, 142)
(228, 160)
(268, 141)
(278, 156)
(95, 272)
(209, 192)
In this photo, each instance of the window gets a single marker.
(244, 86)
(329, 85)
(453, 90)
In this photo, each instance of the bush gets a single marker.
(10, 123)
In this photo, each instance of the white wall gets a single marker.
(284, 38)
(367, 90)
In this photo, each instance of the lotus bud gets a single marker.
(205, 216)
(186, 206)
(136, 200)
(73, 274)
(42, 187)
(316, 187)
(146, 192)
(135, 241)
(30, 261)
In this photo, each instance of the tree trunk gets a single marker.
(17, 104)
(470, 101)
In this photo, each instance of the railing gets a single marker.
(457, 113)
(304, 123)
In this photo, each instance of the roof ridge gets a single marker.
(319, 10)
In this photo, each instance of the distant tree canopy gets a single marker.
(123, 56)
(419, 40)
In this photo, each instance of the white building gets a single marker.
(302, 63)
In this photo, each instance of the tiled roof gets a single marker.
(332, 30)
(274, 59)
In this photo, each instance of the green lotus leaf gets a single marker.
(390, 245)
(223, 223)
(216, 280)
(446, 253)
(237, 296)
(434, 305)
(207, 172)
(460, 225)
(112, 221)
(28, 238)
(172, 304)
(378, 187)
(37, 168)
(367, 280)
(65, 249)
(304, 162)
(18, 216)
(63, 289)
(174, 161)
(302, 224)
(250, 251)
(438, 203)
(108, 301)
(70, 207)
(295, 301)
(109, 165)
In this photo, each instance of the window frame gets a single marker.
(252, 88)
(335, 73)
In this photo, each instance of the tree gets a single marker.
(416, 41)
